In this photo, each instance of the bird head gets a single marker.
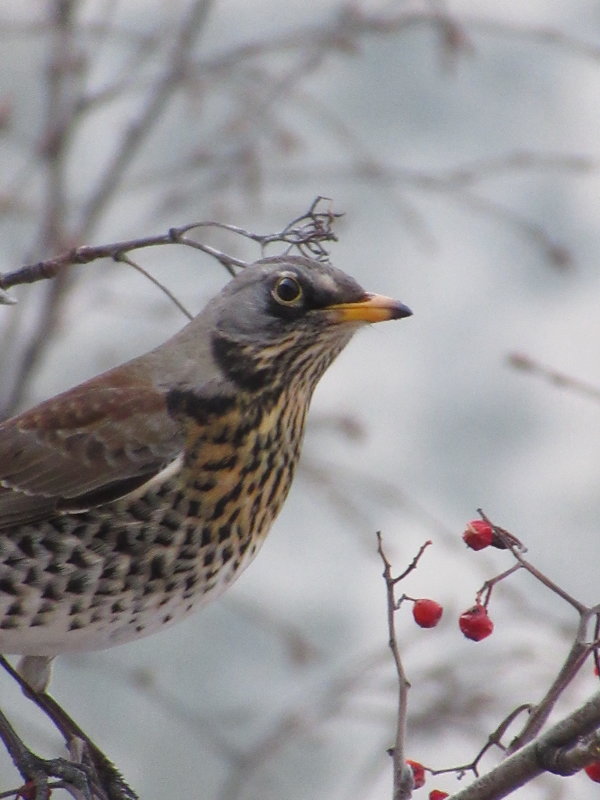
(290, 315)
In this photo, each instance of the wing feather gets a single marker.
(96, 440)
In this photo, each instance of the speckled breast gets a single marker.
(108, 575)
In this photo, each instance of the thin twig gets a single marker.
(558, 751)
(554, 376)
(402, 774)
(493, 740)
(306, 233)
(512, 544)
(126, 260)
(580, 649)
(108, 784)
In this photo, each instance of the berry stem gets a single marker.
(512, 545)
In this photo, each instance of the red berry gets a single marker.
(478, 534)
(418, 771)
(475, 623)
(427, 613)
(593, 771)
(437, 794)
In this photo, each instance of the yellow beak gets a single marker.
(373, 308)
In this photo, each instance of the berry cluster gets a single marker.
(475, 622)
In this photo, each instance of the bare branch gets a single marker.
(306, 233)
(579, 652)
(402, 774)
(139, 129)
(554, 376)
(126, 260)
(559, 751)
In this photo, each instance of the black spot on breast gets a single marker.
(77, 559)
(52, 545)
(123, 542)
(206, 537)
(224, 533)
(157, 568)
(193, 509)
(7, 586)
(163, 537)
(170, 522)
(104, 531)
(77, 584)
(205, 484)
(50, 592)
(26, 546)
(223, 502)
(109, 572)
(228, 462)
(226, 554)
(184, 402)
(33, 576)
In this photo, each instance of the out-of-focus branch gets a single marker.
(554, 376)
(62, 76)
(137, 131)
(458, 184)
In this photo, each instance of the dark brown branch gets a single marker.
(306, 233)
(559, 751)
(103, 777)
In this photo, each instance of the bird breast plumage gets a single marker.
(180, 540)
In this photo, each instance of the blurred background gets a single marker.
(461, 141)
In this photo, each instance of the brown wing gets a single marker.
(84, 447)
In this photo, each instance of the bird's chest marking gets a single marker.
(180, 541)
(237, 475)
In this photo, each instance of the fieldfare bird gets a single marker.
(142, 493)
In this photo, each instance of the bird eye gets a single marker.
(287, 290)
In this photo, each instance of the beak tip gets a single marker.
(402, 311)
